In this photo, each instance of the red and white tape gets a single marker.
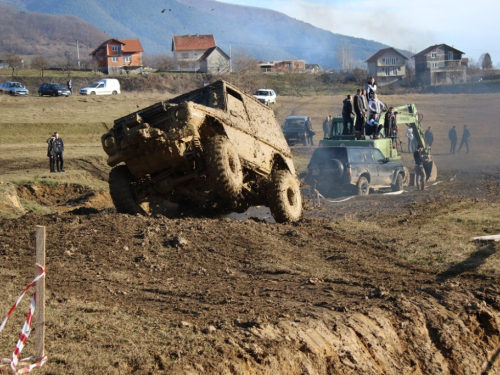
(25, 332)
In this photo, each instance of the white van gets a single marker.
(105, 86)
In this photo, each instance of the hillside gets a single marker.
(53, 36)
(266, 34)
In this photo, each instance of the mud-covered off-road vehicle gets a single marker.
(216, 146)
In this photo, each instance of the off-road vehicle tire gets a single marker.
(363, 186)
(284, 197)
(224, 167)
(337, 168)
(121, 191)
(398, 186)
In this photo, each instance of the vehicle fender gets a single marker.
(397, 171)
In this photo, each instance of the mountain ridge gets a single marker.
(266, 34)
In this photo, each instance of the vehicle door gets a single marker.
(101, 89)
(357, 161)
(384, 168)
(373, 166)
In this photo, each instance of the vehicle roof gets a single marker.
(11, 82)
(296, 117)
(265, 90)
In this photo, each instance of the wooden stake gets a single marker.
(40, 295)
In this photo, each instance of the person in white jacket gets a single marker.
(411, 144)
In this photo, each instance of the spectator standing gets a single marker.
(376, 106)
(429, 137)
(327, 125)
(409, 135)
(70, 86)
(465, 139)
(58, 147)
(359, 111)
(452, 135)
(309, 132)
(51, 153)
(389, 122)
(370, 88)
(347, 112)
(419, 168)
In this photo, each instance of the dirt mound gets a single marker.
(323, 295)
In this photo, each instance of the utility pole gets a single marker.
(78, 54)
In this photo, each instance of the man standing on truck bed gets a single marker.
(359, 110)
(346, 115)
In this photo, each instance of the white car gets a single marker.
(265, 96)
(105, 86)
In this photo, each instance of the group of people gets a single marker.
(453, 136)
(55, 151)
(367, 109)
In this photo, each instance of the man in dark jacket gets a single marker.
(359, 110)
(465, 139)
(346, 114)
(452, 135)
(419, 168)
(58, 148)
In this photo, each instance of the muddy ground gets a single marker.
(381, 284)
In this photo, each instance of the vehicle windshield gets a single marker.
(262, 93)
(294, 123)
(57, 86)
(94, 85)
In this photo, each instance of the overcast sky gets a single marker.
(413, 25)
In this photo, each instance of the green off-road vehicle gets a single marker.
(216, 146)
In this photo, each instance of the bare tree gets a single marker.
(40, 63)
(14, 61)
(345, 57)
(246, 67)
(163, 62)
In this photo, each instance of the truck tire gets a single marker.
(284, 197)
(224, 167)
(121, 192)
(363, 186)
(337, 169)
(398, 186)
(114, 92)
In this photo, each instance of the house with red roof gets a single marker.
(188, 49)
(118, 56)
(387, 66)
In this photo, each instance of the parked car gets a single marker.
(53, 89)
(265, 96)
(105, 86)
(294, 130)
(14, 88)
(360, 169)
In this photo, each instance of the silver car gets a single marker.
(14, 88)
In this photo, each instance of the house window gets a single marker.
(387, 71)
(394, 71)
(434, 55)
(450, 55)
(434, 65)
(115, 59)
(185, 55)
(114, 48)
(127, 59)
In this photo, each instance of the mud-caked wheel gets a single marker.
(122, 193)
(224, 167)
(363, 187)
(284, 197)
(398, 186)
